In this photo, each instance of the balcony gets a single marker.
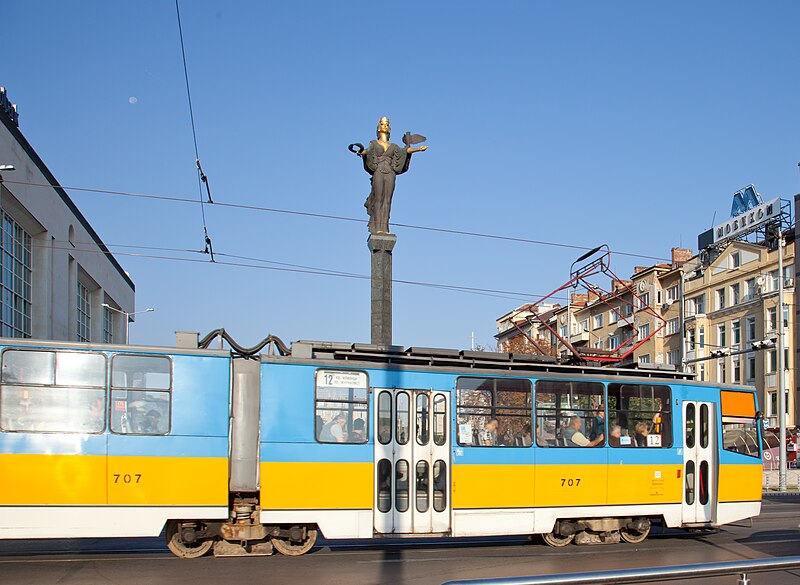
(582, 337)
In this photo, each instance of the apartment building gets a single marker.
(729, 303)
(732, 303)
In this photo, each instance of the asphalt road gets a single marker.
(144, 562)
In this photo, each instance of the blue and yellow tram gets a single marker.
(359, 441)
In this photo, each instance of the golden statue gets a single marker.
(384, 160)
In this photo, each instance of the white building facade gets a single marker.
(56, 274)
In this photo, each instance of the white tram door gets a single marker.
(412, 461)
(699, 462)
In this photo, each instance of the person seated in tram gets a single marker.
(614, 436)
(488, 436)
(575, 438)
(526, 439)
(640, 434)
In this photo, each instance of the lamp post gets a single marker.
(127, 316)
(781, 373)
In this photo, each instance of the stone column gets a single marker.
(381, 245)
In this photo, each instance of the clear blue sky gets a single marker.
(627, 123)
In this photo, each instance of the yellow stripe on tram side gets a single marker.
(316, 486)
(571, 485)
(645, 484)
(167, 481)
(56, 480)
(740, 483)
(492, 486)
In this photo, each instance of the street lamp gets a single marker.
(127, 317)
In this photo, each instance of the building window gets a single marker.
(702, 337)
(613, 342)
(721, 371)
(772, 361)
(772, 319)
(15, 279)
(696, 306)
(674, 357)
(736, 296)
(773, 280)
(673, 326)
(643, 301)
(644, 359)
(750, 289)
(597, 321)
(673, 293)
(644, 331)
(736, 260)
(721, 341)
(751, 328)
(720, 299)
(613, 317)
(737, 371)
(690, 339)
(736, 333)
(702, 372)
(108, 326)
(84, 314)
(751, 367)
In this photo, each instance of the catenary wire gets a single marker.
(285, 267)
(334, 217)
(201, 177)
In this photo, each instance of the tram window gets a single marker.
(45, 391)
(740, 435)
(401, 486)
(690, 423)
(493, 412)
(340, 412)
(689, 482)
(28, 367)
(141, 394)
(384, 418)
(439, 420)
(384, 485)
(423, 419)
(439, 486)
(560, 405)
(423, 501)
(704, 426)
(644, 414)
(703, 499)
(402, 418)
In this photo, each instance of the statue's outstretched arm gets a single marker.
(410, 150)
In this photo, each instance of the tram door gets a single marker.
(699, 462)
(412, 461)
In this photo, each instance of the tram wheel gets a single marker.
(185, 550)
(556, 540)
(634, 536)
(295, 549)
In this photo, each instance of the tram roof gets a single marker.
(388, 355)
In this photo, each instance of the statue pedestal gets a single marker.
(381, 245)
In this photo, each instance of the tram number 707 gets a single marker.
(570, 482)
(127, 477)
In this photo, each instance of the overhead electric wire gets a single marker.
(201, 177)
(337, 218)
(286, 267)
